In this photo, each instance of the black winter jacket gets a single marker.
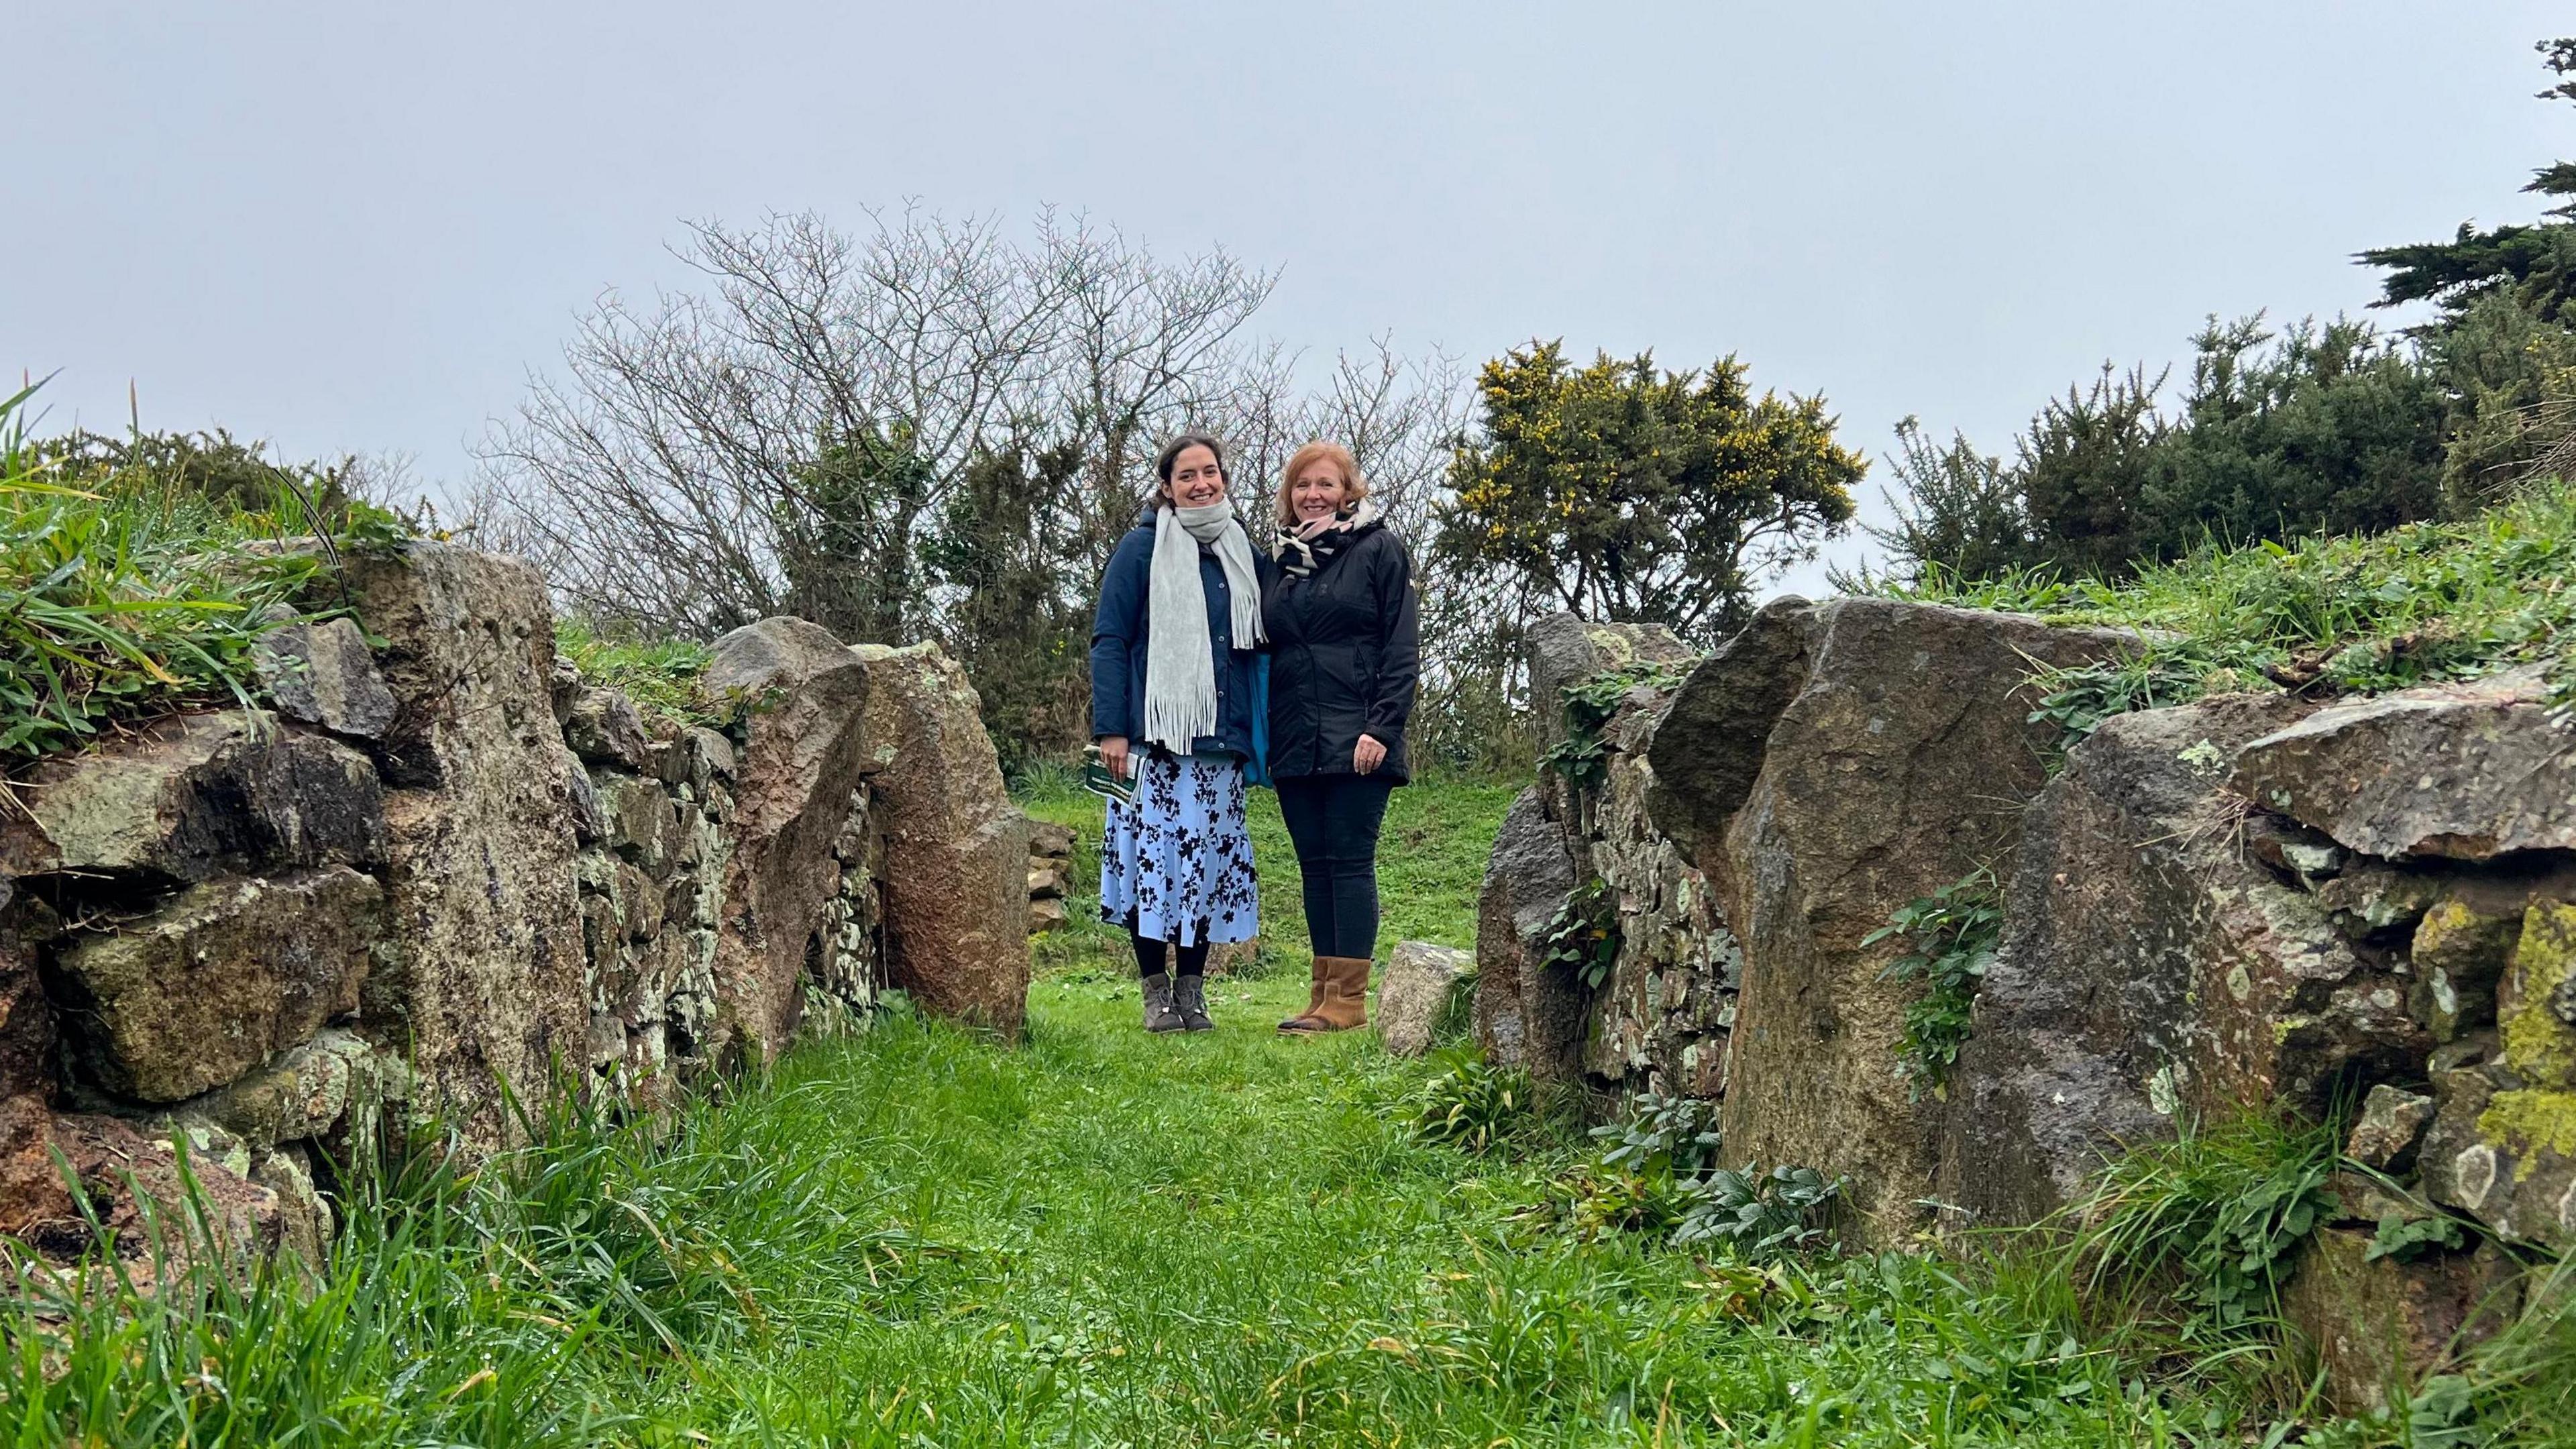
(1119, 632)
(1345, 655)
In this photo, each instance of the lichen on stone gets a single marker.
(2531, 1120)
(2539, 1047)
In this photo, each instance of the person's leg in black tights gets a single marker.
(1356, 814)
(1334, 820)
(1301, 806)
(1149, 952)
(1190, 960)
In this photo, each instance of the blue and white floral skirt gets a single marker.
(1177, 865)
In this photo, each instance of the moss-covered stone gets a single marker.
(2539, 1047)
(2469, 944)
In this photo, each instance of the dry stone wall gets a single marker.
(439, 870)
(2295, 905)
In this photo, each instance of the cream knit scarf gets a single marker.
(1180, 665)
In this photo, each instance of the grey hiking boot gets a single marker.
(1159, 1015)
(1191, 997)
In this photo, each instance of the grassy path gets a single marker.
(914, 1237)
(1106, 1238)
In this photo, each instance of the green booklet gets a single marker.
(1101, 781)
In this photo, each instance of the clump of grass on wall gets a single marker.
(663, 676)
(130, 587)
(2416, 605)
(2189, 1242)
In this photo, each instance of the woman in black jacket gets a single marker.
(1345, 640)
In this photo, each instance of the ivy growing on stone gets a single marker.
(1954, 932)
(1582, 757)
(1583, 936)
(2403, 1238)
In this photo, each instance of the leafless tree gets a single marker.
(888, 432)
(782, 441)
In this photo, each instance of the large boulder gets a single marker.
(2147, 965)
(213, 984)
(195, 796)
(2467, 771)
(1414, 994)
(1899, 749)
(806, 753)
(1528, 1013)
(481, 980)
(1709, 746)
(956, 848)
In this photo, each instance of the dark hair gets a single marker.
(1173, 450)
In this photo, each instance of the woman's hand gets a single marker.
(1113, 753)
(1367, 755)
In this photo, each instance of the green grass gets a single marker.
(128, 591)
(2419, 604)
(662, 676)
(916, 1238)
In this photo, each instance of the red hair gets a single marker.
(1354, 487)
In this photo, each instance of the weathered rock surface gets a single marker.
(324, 675)
(2468, 771)
(2376, 1325)
(1661, 1022)
(126, 1172)
(2502, 1144)
(2392, 1122)
(1895, 766)
(2149, 965)
(604, 728)
(229, 973)
(808, 735)
(1050, 841)
(2504, 1152)
(333, 1090)
(956, 862)
(1564, 649)
(1414, 994)
(482, 977)
(1709, 746)
(1528, 1013)
(30, 1187)
(1050, 875)
(196, 796)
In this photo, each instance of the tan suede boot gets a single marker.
(1304, 1020)
(1345, 1003)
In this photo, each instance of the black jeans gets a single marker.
(1149, 956)
(1334, 820)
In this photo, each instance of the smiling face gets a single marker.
(1318, 491)
(1197, 480)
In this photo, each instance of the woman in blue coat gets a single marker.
(1173, 670)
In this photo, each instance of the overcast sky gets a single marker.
(358, 227)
